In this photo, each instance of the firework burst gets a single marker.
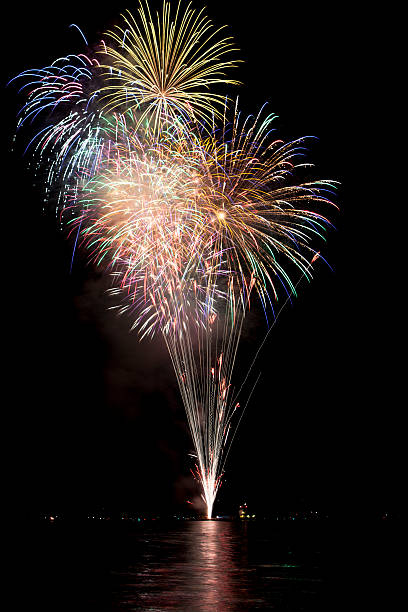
(190, 228)
(190, 212)
(166, 66)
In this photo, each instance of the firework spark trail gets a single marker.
(192, 213)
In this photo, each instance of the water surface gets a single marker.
(192, 566)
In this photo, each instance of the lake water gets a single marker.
(192, 566)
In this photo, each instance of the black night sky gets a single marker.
(93, 416)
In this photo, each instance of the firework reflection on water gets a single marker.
(194, 566)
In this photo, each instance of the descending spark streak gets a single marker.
(191, 213)
(74, 25)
